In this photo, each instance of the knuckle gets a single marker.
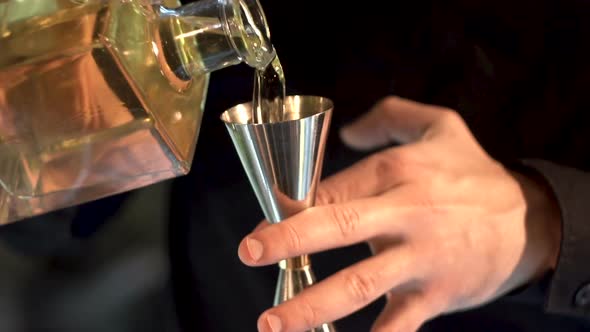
(347, 220)
(390, 101)
(293, 237)
(385, 106)
(430, 208)
(425, 200)
(361, 287)
(450, 118)
(392, 163)
(308, 312)
(324, 196)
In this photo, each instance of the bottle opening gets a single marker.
(249, 30)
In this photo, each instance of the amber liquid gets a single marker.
(89, 103)
(269, 93)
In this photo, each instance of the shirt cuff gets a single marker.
(569, 288)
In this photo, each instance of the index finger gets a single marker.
(327, 227)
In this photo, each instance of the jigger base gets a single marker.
(295, 274)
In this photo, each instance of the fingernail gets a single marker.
(255, 248)
(274, 323)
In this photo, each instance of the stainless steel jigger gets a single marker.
(283, 161)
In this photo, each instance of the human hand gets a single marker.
(450, 228)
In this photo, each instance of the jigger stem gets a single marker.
(295, 274)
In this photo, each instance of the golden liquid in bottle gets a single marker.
(91, 101)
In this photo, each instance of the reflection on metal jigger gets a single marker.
(283, 161)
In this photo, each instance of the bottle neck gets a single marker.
(208, 35)
(247, 29)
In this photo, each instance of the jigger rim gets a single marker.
(241, 114)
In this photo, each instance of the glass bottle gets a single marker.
(99, 97)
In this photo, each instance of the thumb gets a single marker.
(392, 120)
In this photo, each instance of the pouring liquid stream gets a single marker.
(269, 93)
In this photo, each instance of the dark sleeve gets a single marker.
(569, 286)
